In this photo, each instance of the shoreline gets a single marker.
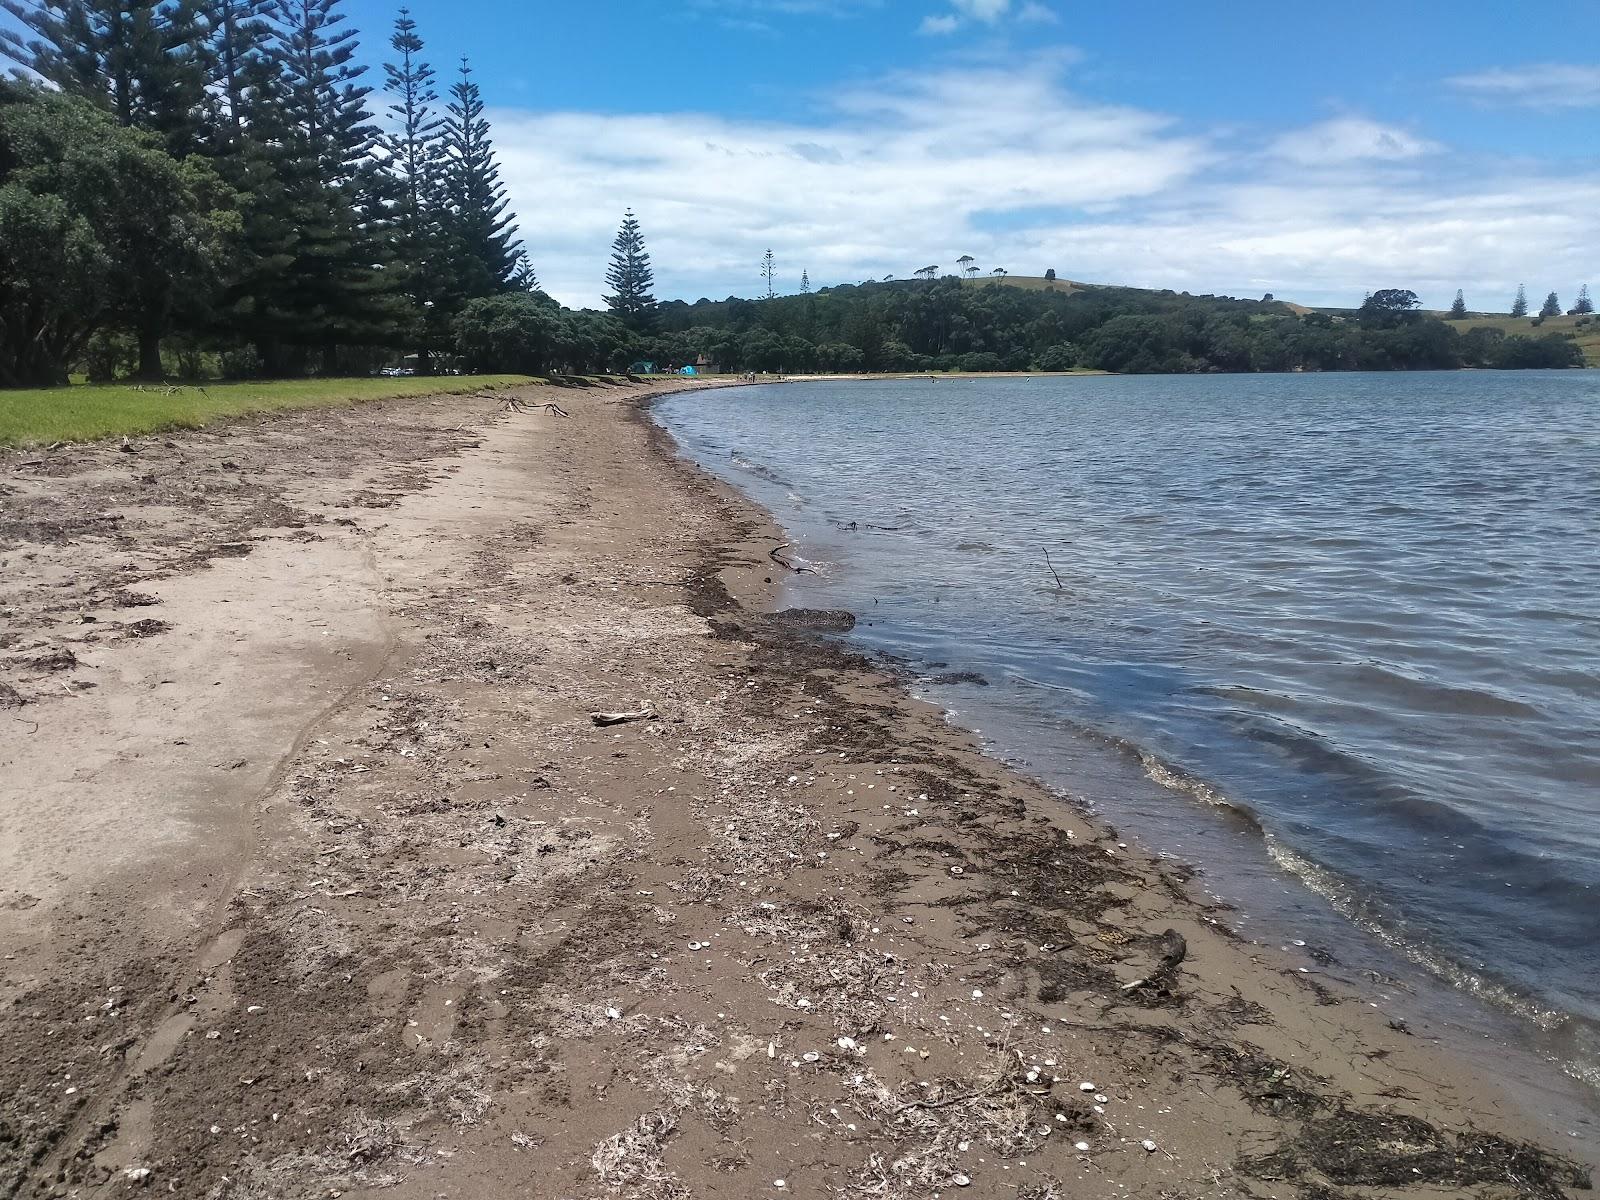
(389, 914)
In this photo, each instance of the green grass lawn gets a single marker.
(80, 413)
(1588, 338)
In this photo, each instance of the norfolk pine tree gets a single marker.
(480, 225)
(414, 149)
(330, 201)
(137, 59)
(1584, 306)
(630, 278)
(1551, 306)
(1519, 306)
(1458, 307)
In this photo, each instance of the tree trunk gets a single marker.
(150, 355)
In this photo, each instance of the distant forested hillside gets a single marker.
(948, 324)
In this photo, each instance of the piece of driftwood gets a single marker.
(1060, 587)
(776, 555)
(512, 404)
(646, 713)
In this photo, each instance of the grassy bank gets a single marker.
(76, 414)
(1587, 336)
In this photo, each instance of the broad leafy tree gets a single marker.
(97, 226)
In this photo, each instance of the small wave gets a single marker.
(1177, 780)
(1430, 696)
(1344, 900)
(759, 470)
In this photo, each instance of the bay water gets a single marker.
(1332, 639)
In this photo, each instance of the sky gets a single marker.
(1315, 151)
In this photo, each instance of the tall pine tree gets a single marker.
(1519, 306)
(485, 237)
(414, 150)
(139, 59)
(1458, 307)
(1584, 306)
(322, 228)
(238, 71)
(630, 277)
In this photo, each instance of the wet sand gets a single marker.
(318, 877)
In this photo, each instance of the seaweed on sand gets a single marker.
(1353, 1148)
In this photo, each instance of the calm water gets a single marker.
(1335, 639)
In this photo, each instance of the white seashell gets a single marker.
(613, 1014)
(1081, 1147)
(1149, 1145)
(1086, 1086)
(961, 1180)
(810, 1056)
(1099, 1099)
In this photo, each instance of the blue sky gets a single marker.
(1316, 151)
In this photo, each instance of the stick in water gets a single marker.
(1060, 587)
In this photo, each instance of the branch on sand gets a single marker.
(776, 555)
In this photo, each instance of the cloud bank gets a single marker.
(1009, 164)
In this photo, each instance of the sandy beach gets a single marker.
(422, 799)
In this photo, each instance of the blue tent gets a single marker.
(687, 371)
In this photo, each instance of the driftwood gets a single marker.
(1060, 587)
(512, 404)
(646, 713)
(776, 555)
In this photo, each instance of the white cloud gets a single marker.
(1349, 139)
(1005, 163)
(987, 11)
(1543, 85)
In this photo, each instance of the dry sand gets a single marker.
(317, 878)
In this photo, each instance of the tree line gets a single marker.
(204, 184)
(1519, 305)
(945, 324)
